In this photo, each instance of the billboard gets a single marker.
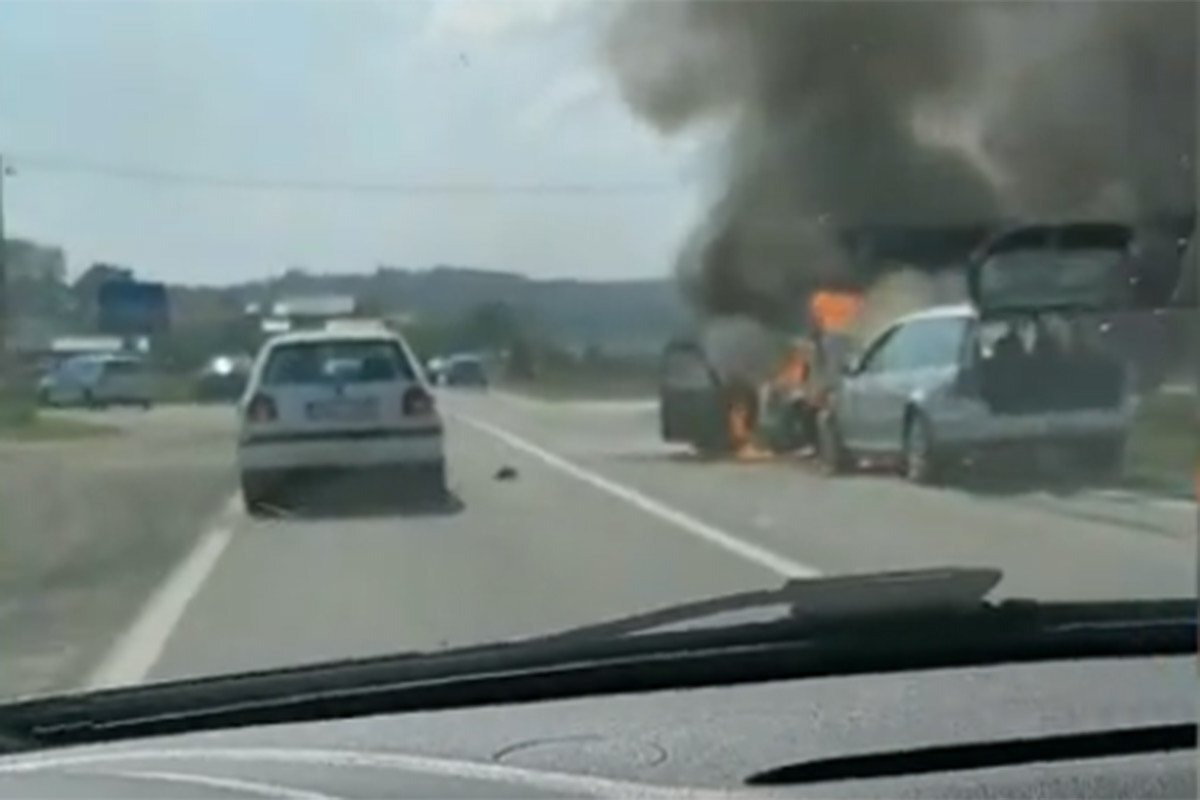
(132, 308)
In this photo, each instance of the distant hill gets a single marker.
(620, 316)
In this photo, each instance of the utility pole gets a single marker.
(5, 327)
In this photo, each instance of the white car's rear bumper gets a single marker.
(283, 451)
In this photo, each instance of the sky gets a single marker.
(300, 98)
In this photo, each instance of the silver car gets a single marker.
(943, 385)
(96, 381)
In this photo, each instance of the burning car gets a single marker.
(771, 408)
(1032, 362)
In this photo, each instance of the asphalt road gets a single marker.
(597, 520)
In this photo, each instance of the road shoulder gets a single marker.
(87, 528)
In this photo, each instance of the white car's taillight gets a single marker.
(417, 402)
(261, 408)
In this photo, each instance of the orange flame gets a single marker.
(741, 433)
(739, 425)
(794, 369)
(835, 311)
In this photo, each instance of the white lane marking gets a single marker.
(237, 785)
(544, 780)
(702, 530)
(139, 648)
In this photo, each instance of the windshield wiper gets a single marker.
(12, 741)
(878, 598)
(833, 627)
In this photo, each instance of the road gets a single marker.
(595, 519)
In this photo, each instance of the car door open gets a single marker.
(690, 396)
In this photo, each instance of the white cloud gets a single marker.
(334, 93)
(474, 22)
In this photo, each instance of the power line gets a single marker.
(48, 164)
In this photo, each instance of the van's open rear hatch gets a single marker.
(1078, 266)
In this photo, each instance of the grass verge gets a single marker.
(17, 408)
(21, 421)
(49, 428)
(615, 381)
(1162, 451)
(580, 390)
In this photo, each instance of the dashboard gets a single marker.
(688, 743)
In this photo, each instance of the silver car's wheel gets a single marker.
(919, 460)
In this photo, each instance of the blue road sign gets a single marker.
(132, 308)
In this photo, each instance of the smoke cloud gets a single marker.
(1105, 123)
(1094, 109)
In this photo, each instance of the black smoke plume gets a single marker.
(1104, 123)
(820, 100)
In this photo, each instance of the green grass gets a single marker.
(583, 386)
(1162, 450)
(20, 419)
(50, 428)
(174, 389)
(605, 378)
(17, 408)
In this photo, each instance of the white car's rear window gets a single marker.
(350, 361)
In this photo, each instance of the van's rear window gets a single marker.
(336, 362)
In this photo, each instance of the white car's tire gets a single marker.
(258, 493)
(432, 479)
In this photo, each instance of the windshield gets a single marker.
(456, 322)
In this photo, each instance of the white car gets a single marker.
(96, 381)
(337, 400)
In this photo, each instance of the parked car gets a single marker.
(435, 370)
(96, 381)
(465, 371)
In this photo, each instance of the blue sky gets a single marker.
(480, 92)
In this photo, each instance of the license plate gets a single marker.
(356, 410)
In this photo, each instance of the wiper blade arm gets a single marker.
(841, 600)
(663, 662)
(520, 673)
(835, 627)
